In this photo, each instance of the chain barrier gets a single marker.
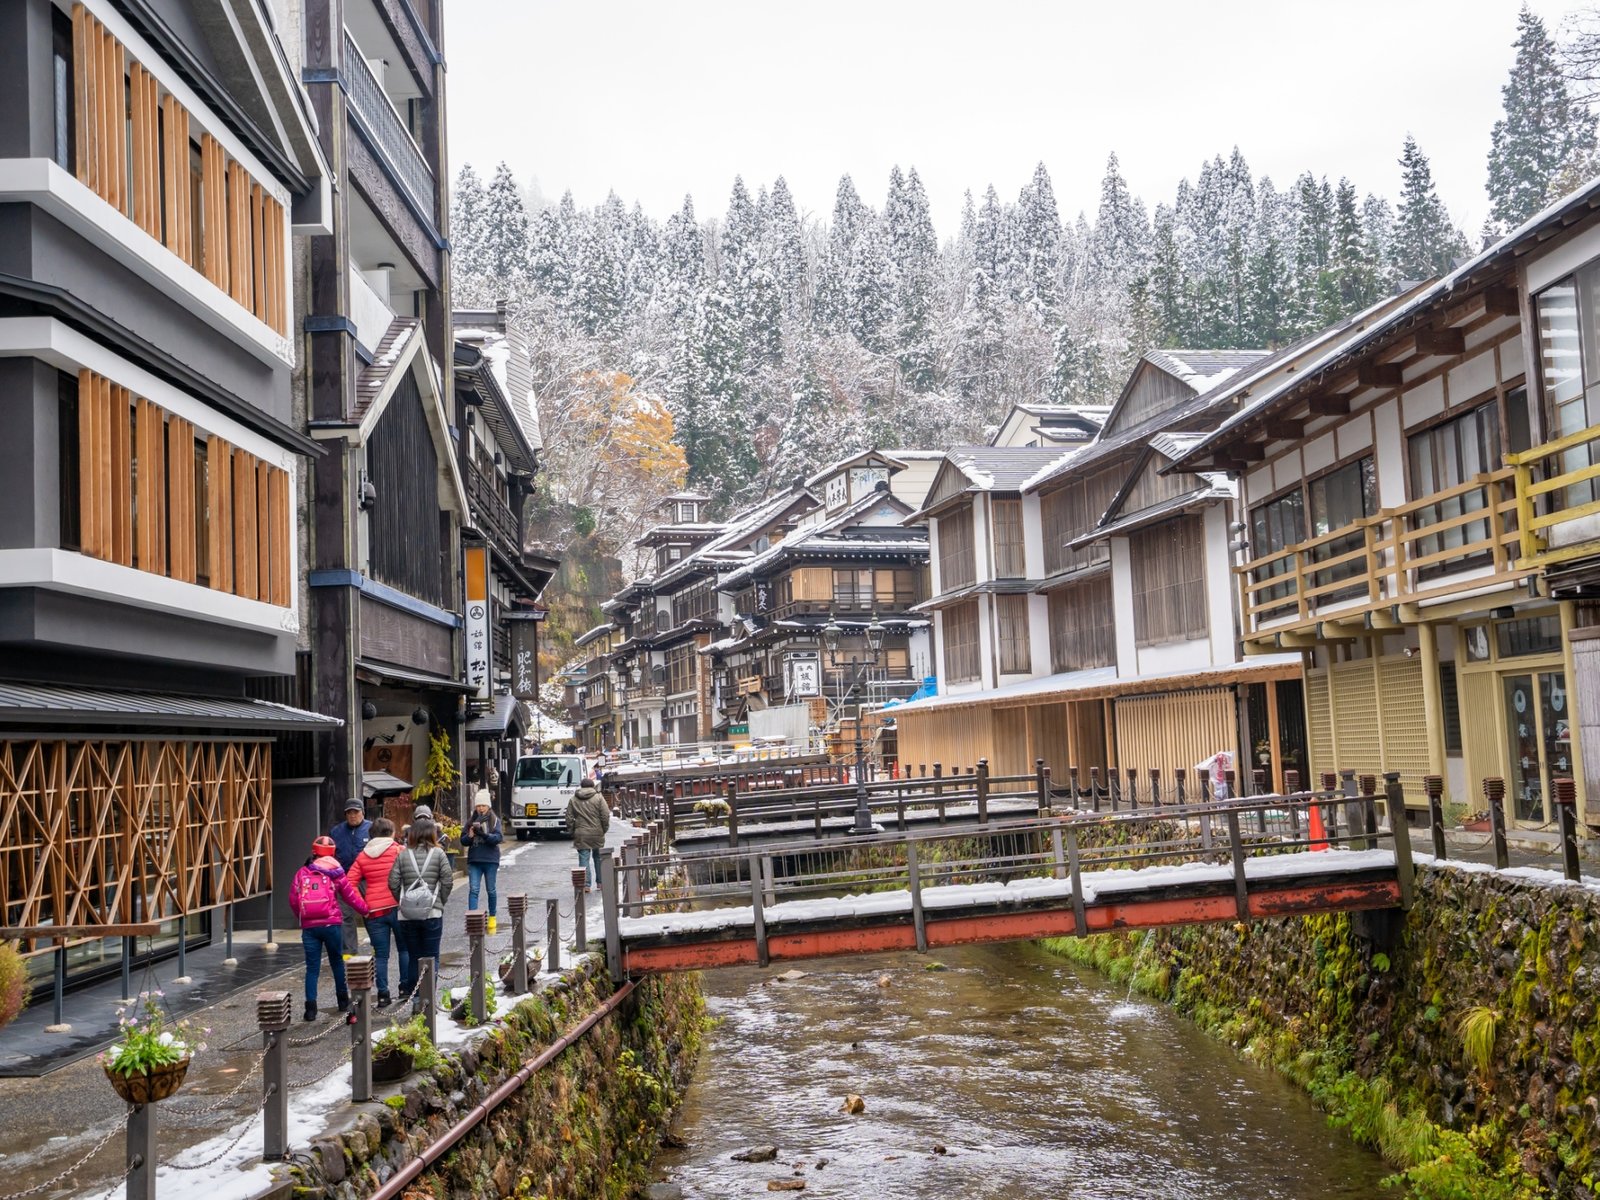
(48, 1184)
(341, 1023)
(244, 1128)
(186, 1110)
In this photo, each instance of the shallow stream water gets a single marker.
(1037, 1077)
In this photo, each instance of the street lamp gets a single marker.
(832, 632)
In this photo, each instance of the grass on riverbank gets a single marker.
(1431, 1161)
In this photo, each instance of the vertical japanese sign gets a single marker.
(478, 642)
(524, 664)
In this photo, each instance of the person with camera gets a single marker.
(482, 837)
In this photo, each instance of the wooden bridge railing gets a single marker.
(1077, 849)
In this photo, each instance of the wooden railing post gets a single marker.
(1433, 786)
(1041, 783)
(1566, 797)
(1494, 791)
(1352, 803)
(1401, 832)
(732, 795)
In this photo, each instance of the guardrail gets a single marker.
(379, 120)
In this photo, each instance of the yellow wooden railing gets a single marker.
(1542, 503)
(1392, 559)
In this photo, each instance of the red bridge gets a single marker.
(1003, 880)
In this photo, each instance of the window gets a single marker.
(64, 143)
(1072, 511)
(897, 589)
(1338, 499)
(1529, 635)
(694, 603)
(1274, 527)
(957, 565)
(1008, 557)
(961, 642)
(70, 479)
(1570, 361)
(1450, 702)
(1083, 629)
(202, 515)
(680, 669)
(1015, 655)
(853, 589)
(1441, 458)
(1169, 591)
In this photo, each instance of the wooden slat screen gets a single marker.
(957, 560)
(1083, 631)
(1169, 586)
(1008, 553)
(133, 148)
(961, 648)
(138, 491)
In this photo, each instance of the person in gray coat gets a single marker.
(421, 859)
(588, 817)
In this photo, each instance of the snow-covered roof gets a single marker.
(1204, 369)
(507, 364)
(834, 468)
(1056, 466)
(814, 539)
(583, 639)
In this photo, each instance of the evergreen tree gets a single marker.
(914, 258)
(683, 244)
(1168, 299)
(1424, 239)
(1121, 232)
(871, 290)
(784, 247)
(505, 241)
(597, 284)
(1355, 271)
(1269, 303)
(468, 201)
(550, 244)
(1039, 246)
(1544, 135)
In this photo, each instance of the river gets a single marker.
(1036, 1076)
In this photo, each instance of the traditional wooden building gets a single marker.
(849, 561)
(1084, 597)
(498, 443)
(389, 496)
(159, 156)
(1389, 542)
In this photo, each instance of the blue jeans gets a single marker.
(381, 930)
(485, 873)
(589, 860)
(418, 940)
(328, 938)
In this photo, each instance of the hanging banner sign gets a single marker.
(479, 648)
(524, 652)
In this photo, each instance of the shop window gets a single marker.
(1529, 635)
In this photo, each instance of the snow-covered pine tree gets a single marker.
(871, 290)
(831, 308)
(785, 248)
(1313, 288)
(505, 240)
(913, 250)
(1168, 294)
(1121, 232)
(1546, 138)
(1038, 249)
(1425, 241)
(1271, 315)
(597, 283)
(1355, 272)
(467, 203)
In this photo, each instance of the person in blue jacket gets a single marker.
(350, 837)
(482, 837)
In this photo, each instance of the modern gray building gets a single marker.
(157, 159)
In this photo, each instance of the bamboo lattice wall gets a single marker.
(102, 832)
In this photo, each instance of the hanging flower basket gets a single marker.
(154, 1085)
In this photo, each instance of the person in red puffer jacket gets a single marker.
(314, 898)
(370, 873)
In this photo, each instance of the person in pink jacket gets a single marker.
(314, 898)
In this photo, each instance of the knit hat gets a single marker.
(481, 796)
(323, 847)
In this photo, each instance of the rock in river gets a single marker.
(853, 1104)
(757, 1154)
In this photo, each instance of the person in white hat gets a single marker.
(482, 837)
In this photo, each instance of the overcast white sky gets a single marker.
(657, 99)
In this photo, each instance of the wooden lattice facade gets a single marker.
(100, 832)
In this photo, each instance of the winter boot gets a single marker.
(311, 1011)
(344, 1002)
(383, 1000)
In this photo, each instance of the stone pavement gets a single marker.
(47, 1124)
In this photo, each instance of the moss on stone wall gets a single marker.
(586, 1126)
(1378, 1024)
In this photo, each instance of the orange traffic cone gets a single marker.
(1319, 835)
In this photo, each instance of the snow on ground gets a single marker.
(947, 896)
(1540, 875)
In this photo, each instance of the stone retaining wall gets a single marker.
(586, 1126)
(1376, 1015)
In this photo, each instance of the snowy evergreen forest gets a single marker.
(737, 349)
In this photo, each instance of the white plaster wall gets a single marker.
(1545, 269)
(935, 587)
(1122, 601)
(981, 538)
(1039, 633)
(1219, 585)
(1173, 656)
(1033, 537)
(921, 650)
(987, 634)
(1389, 458)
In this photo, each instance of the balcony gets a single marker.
(1558, 514)
(1464, 538)
(845, 606)
(492, 514)
(386, 130)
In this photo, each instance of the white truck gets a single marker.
(540, 793)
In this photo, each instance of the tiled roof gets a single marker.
(25, 703)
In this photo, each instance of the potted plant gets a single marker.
(508, 960)
(401, 1049)
(152, 1053)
